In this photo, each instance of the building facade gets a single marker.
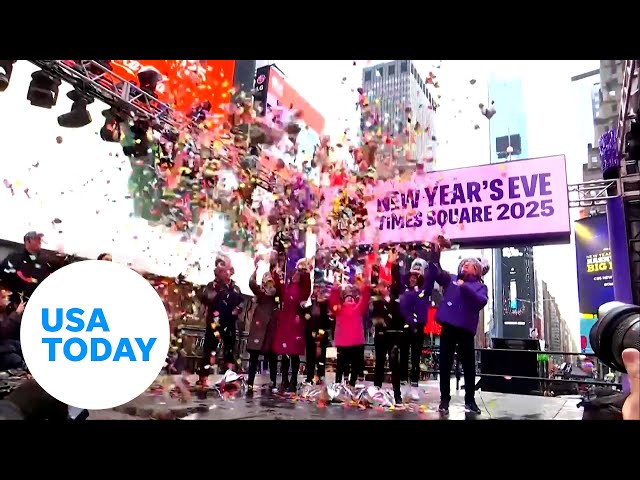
(513, 273)
(558, 337)
(605, 103)
(400, 99)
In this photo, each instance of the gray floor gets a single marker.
(262, 405)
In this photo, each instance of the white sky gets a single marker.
(559, 121)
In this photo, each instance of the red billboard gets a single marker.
(186, 83)
(272, 89)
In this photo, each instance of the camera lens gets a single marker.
(617, 328)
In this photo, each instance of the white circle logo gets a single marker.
(95, 335)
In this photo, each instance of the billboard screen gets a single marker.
(507, 203)
(517, 294)
(273, 88)
(586, 322)
(593, 259)
(186, 82)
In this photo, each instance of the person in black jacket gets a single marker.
(317, 326)
(23, 271)
(223, 301)
(389, 327)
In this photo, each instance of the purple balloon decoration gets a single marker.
(609, 157)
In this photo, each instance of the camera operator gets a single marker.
(29, 401)
(615, 338)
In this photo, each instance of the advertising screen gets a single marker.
(185, 82)
(278, 102)
(513, 203)
(593, 258)
(586, 322)
(517, 293)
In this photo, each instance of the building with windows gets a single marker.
(605, 104)
(513, 272)
(400, 97)
(558, 337)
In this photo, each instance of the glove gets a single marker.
(36, 404)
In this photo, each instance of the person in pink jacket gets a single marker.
(289, 340)
(349, 305)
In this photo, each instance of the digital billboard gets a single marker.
(586, 322)
(517, 293)
(513, 202)
(185, 83)
(278, 101)
(593, 259)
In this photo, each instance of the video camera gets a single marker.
(617, 328)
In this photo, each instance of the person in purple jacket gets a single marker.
(465, 295)
(414, 306)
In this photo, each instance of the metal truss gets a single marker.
(593, 193)
(99, 82)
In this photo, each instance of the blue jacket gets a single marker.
(461, 305)
(415, 303)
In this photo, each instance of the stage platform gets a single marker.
(263, 405)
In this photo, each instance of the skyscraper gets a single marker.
(399, 96)
(514, 282)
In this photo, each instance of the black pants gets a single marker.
(450, 339)
(254, 358)
(316, 355)
(294, 362)
(353, 359)
(210, 346)
(388, 343)
(412, 344)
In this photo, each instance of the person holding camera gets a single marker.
(29, 401)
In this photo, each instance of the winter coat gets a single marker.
(349, 330)
(316, 317)
(461, 304)
(289, 333)
(221, 309)
(22, 273)
(10, 326)
(263, 321)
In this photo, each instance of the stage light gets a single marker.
(111, 131)
(78, 116)
(43, 90)
(6, 67)
(149, 77)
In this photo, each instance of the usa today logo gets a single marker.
(95, 335)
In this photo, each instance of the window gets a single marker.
(380, 72)
(404, 66)
(367, 75)
(392, 70)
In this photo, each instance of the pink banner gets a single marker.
(510, 202)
